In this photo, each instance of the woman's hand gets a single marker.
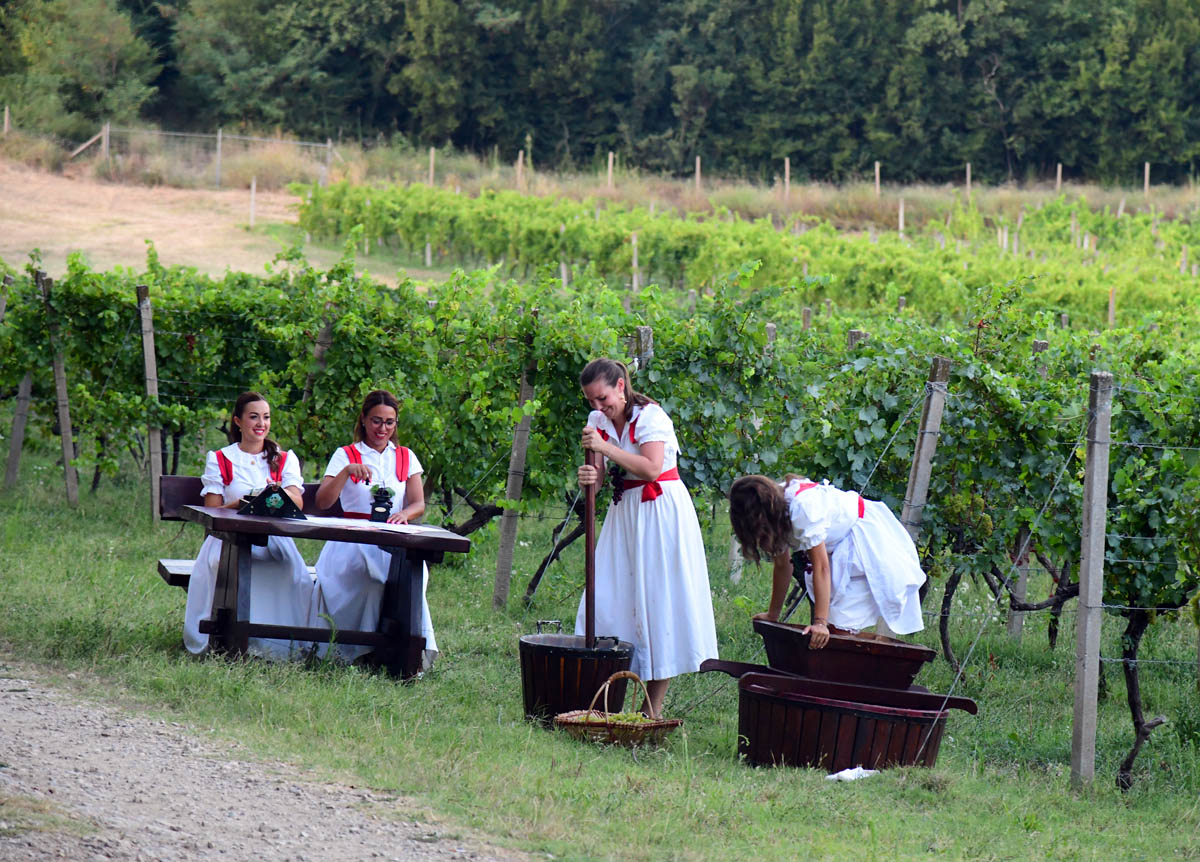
(588, 475)
(357, 472)
(592, 439)
(818, 634)
(768, 616)
(400, 517)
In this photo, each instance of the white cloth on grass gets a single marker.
(351, 577)
(281, 589)
(651, 574)
(873, 562)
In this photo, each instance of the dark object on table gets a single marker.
(381, 503)
(863, 659)
(272, 502)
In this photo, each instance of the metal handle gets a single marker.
(541, 623)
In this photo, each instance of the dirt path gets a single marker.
(110, 224)
(81, 780)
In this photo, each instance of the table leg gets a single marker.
(231, 599)
(400, 615)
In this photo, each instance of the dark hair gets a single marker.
(270, 447)
(759, 515)
(610, 371)
(374, 399)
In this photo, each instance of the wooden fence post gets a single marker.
(5, 284)
(253, 191)
(516, 480)
(1058, 178)
(562, 264)
(877, 179)
(520, 170)
(328, 160)
(17, 438)
(806, 317)
(926, 444)
(60, 388)
(104, 141)
(1112, 307)
(6, 121)
(787, 179)
(853, 337)
(1146, 181)
(968, 180)
(697, 175)
(218, 159)
(611, 156)
(432, 151)
(633, 240)
(901, 218)
(153, 432)
(1091, 579)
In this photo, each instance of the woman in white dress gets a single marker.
(351, 576)
(281, 589)
(864, 564)
(651, 573)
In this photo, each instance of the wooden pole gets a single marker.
(901, 302)
(592, 459)
(218, 159)
(328, 160)
(509, 521)
(520, 170)
(253, 191)
(432, 151)
(153, 432)
(5, 284)
(1146, 180)
(1112, 307)
(806, 317)
(611, 156)
(968, 180)
(901, 218)
(1058, 178)
(562, 264)
(633, 240)
(853, 337)
(7, 125)
(60, 389)
(1091, 579)
(926, 444)
(1121, 207)
(697, 175)
(104, 142)
(787, 187)
(877, 179)
(17, 439)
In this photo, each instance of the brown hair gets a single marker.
(759, 515)
(610, 371)
(234, 433)
(374, 399)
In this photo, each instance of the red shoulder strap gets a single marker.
(402, 454)
(633, 429)
(354, 455)
(804, 486)
(226, 468)
(277, 473)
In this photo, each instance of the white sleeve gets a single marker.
(810, 518)
(212, 476)
(291, 471)
(654, 425)
(337, 462)
(414, 464)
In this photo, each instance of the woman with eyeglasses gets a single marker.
(351, 577)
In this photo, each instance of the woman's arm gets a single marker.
(781, 578)
(331, 486)
(822, 583)
(297, 495)
(414, 505)
(647, 465)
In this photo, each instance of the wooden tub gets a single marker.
(860, 659)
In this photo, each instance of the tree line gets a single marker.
(1012, 86)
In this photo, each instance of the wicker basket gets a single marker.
(593, 725)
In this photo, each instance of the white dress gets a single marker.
(351, 577)
(281, 589)
(873, 563)
(651, 573)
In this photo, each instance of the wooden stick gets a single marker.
(592, 459)
(60, 388)
(877, 179)
(17, 439)
(968, 180)
(1058, 178)
(253, 191)
(697, 175)
(219, 132)
(611, 156)
(432, 151)
(925, 446)
(787, 182)
(1146, 181)
(153, 432)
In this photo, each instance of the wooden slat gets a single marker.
(177, 573)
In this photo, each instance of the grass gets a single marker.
(78, 592)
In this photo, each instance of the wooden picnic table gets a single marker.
(398, 642)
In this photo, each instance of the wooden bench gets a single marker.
(177, 491)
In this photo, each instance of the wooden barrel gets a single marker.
(559, 673)
(862, 659)
(788, 728)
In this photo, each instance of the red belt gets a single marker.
(650, 488)
(363, 516)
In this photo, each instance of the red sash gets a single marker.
(651, 490)
(402, 455)
(862, 504)
(226, 468)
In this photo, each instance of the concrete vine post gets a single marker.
(917, 491)
(153, 432)
(60, 388)
(1091, 579)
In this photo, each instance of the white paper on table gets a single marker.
(359, 523)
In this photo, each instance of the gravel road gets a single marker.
(87, 781)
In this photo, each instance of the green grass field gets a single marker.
(79, 593)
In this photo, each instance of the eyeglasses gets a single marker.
(376, 422)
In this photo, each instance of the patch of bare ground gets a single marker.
(110, 223)
(83, 780)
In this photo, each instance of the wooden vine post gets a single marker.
(611, 156)
(153, 432)
(24, 391)
(516, 480)
(1091, 579)
(46, 285)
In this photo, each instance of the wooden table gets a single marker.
(398, 642)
